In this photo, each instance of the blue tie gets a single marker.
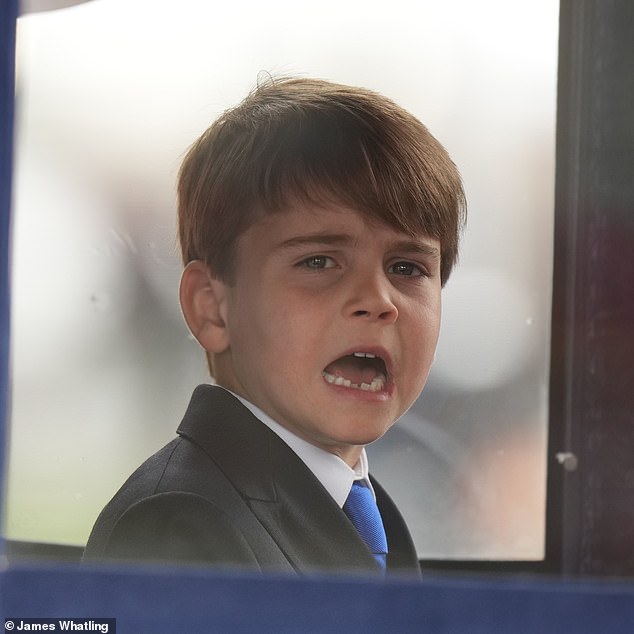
(363, 512)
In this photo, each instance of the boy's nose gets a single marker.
(370, 299)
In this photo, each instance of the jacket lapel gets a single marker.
(402, 557)
(289, 502)
(307, 523)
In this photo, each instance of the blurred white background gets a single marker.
(111, 93)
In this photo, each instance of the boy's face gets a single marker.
(332, 324)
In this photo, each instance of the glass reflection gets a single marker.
(110, 94)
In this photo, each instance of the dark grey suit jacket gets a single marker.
(230, 492)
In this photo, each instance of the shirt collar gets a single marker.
(334, 474)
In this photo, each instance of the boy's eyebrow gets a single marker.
(417, 246)
(316, 238)
(407, 246)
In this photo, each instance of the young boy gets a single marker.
(318, 223)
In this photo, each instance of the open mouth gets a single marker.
(359, 370)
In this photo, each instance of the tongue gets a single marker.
(355, 369)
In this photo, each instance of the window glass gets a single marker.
(109, 96)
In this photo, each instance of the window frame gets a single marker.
(592, 335)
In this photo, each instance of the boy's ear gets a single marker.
(203, 302)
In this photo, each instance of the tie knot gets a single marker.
(363, 512)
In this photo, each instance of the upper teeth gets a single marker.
(367, 355)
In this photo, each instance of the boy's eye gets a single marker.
(318, 262)
(406, 269)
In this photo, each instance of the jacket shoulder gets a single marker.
(146, 517)
(175, 526)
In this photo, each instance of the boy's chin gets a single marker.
(361, 438)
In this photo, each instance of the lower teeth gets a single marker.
(378, 383)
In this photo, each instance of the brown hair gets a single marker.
(316, 142)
